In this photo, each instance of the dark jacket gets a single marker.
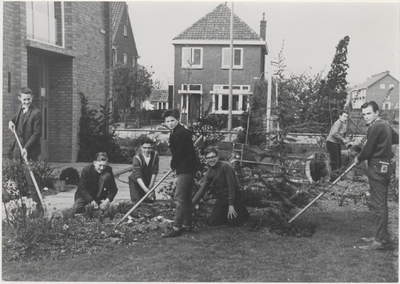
(31, 132)
(182, 149)
(88, 187)
(141, 170)
(380, 137)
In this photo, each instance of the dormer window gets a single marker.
(125, 31)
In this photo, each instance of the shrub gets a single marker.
(70, 175)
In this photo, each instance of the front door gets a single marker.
(38, 82)
(194, 107)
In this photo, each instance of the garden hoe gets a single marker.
(322, 193)
(31, 173)
(150, 191)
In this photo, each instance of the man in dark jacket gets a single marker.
(27, 123)
(221, 179)
(96, 187)
(144, 171)
(378, 152)
(184, 163)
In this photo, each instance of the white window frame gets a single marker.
(125, 31)
(189, 53)
(226, 61)
(36, 21)
(115, 56)
(397, 106)
(219, 91)
(382, 86)
(125, 58)
(386, 105)
(391, 86)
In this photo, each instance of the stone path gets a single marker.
(64, 200)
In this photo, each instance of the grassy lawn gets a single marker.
(224, 254)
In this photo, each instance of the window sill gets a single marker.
(48, 47)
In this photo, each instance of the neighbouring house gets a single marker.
(159, 98)
(123, 48)
(202, 63)
(382, 88)
(59, 50)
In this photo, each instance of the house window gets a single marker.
(386, 105)
(382, 86)
(125, 58)
(45, 21)
(391, 86)
(220, 98)
(115, 56)
(192, 57)
(237, 58)
(125, 31)
(397, 106)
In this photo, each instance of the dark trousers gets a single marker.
(137, 192)
(219, 214)
(335, 155)
(379, 181)
(16, 155)
(80, 202)
(183, 200)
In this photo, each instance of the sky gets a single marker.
(308, 32)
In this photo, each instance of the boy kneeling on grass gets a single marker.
(228, 208)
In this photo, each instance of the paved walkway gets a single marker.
(64, 200)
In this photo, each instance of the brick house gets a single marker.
(59, 49)
(382, 88)
(202, 62)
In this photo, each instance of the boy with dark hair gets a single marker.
(27, 123)
(144, 171)
(184, 163)
(221, 178)
(378, 152)
(316, 168)
(97, 187)
(337, 137)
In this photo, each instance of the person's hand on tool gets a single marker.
(11, 126)
(104, 203)
(24, 153)
(356, 161)
(95, 206)
(231, 212)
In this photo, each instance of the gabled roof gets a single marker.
(370, 81)
(117, 10)
(216, 26)
(159, 95)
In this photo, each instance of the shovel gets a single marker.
(322, 193)
(31, 173)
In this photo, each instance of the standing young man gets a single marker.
(144, 171)
(27, 123)
(378, 152)
(184, 163)
(221, 179)
(337, 137)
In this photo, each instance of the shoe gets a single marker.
(373, 246)
(368, 240)
(172, 233)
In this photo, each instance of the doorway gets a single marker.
(38, 82)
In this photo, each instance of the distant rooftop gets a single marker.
(370, 81)
(216, 26)
(159, 95)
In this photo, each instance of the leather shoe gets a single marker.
(373, 246)
(368, 240)
(172, 233)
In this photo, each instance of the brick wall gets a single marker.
(14, 55)
(212, 72)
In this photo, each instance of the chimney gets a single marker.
(263, 28)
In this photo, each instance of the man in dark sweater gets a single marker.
(144, 171)
(184, 163)
(378, 152)
(221, 179)
(27, 123)
(96, 187)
